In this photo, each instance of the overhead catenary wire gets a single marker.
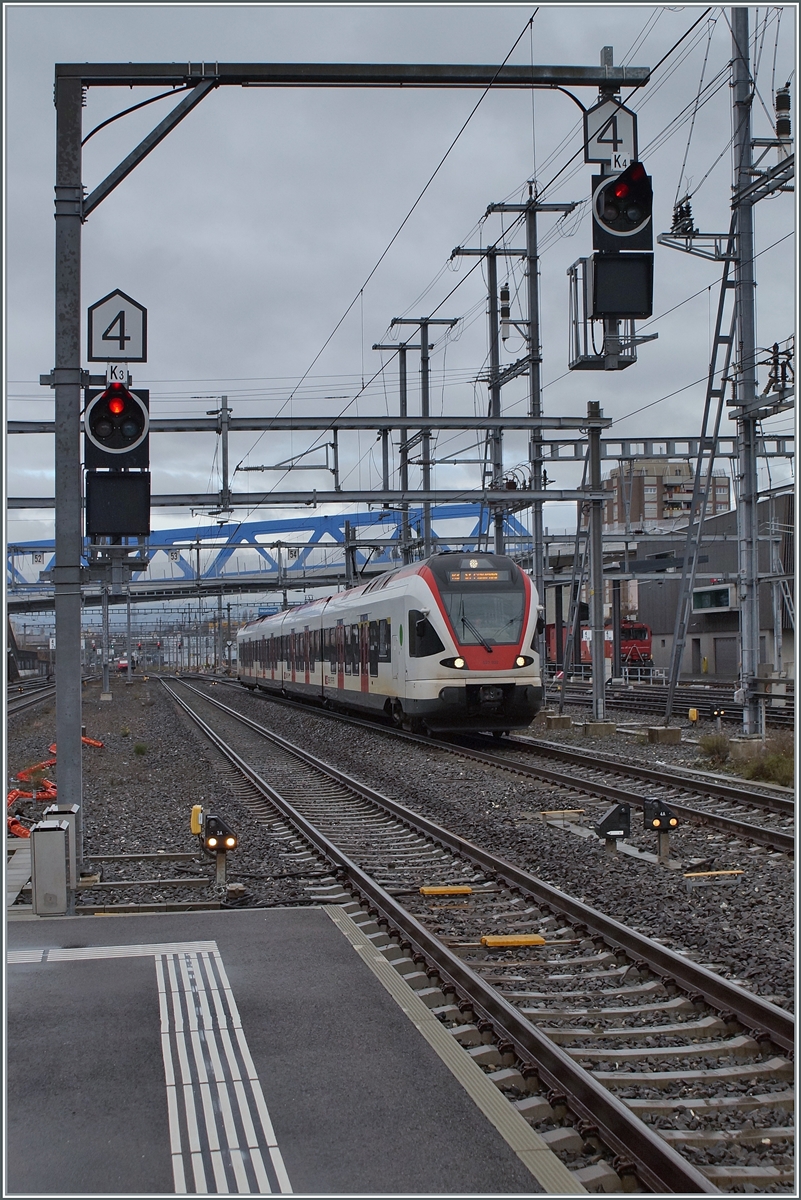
(710, 32)
(414, 206)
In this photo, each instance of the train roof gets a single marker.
(378, 582)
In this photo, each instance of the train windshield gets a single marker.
(495, 617)
(484, 597)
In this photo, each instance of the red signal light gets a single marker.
(116, 405)
(621, 190)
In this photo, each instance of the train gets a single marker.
(635, 643)
(443, 644)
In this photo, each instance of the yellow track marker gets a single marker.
(513, 939)
(447, 890)
(704, 874)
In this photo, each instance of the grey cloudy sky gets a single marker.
(253, 226)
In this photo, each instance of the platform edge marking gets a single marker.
(173, 1119)
(276, 1157)
(535, 1154)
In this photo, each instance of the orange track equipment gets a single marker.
(47, 790)
(86, 741)
(18, 794)
(25, 776)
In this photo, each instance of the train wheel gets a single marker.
(397, 714)
(499, 733)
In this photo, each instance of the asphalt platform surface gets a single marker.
(108, 1092)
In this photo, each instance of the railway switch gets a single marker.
(614, 824)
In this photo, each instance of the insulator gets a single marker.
(783, 119)
(683, 218)
(505, 324)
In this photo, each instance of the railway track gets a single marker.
(652, 698)
(20, 699)
(760, 816)
(637, 1065)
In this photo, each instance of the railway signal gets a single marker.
(218, 836)
(116, 424)
(659, 817)
(116, 457)
(622, 207)
(614, 824)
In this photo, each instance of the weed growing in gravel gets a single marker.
(715, 746)
(773, 761)
(140, 748)
(125, 731)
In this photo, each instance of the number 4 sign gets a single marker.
(117, 327)
(610, 135)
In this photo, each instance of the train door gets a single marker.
(292, 655)
(395, 627)
(340, 646)
(364, 652)
(306, 653)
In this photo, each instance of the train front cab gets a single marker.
(471, 663)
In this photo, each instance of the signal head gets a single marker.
(621, 210)
(117, 420)
(218, 836)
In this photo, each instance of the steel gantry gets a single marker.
(73, 206)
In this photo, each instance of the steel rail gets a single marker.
(719, 993)
(775, 839)
(658, 1164)
(724, 791)
(20, 704)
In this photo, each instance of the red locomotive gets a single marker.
(635, 643)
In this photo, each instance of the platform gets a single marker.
(244, 1051)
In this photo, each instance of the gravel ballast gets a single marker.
(139, 790)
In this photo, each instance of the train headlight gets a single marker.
(458, 663)
(523, 660)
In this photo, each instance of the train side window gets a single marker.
(373, 647)
(331, 634)
(288, 651)
(355, 650)
(423, 637)
(384, 640)
(348, 651)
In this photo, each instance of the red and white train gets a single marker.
(442, 644)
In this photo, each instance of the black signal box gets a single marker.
(659, 816)
(622, 285)
(615, 823)
(117, 503)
